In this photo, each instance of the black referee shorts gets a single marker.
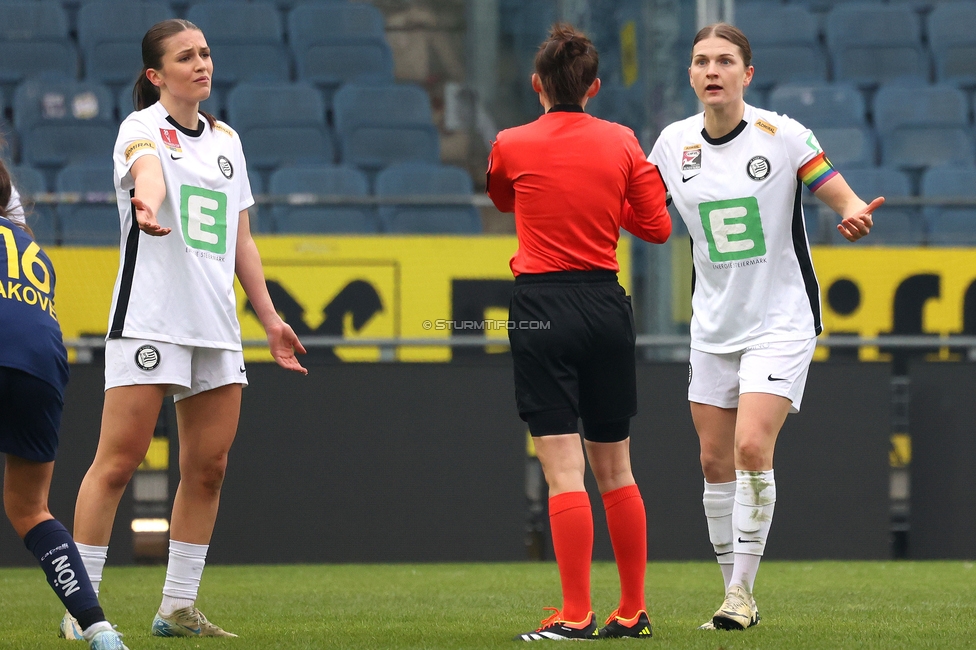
(31, 410)
(572, 338)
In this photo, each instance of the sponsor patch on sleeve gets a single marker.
(221, 127)
(763, 125)
(136, 146)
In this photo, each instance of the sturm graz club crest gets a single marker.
(225, 167)
(147, 357)
(758, 168)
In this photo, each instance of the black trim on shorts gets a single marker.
(802, 250)
(566, 277)
(128, 272)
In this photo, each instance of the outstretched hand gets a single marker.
(284, 344)
(147, 220)
(860, 223)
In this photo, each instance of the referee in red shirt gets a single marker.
(573, 182)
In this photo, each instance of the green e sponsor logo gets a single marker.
(733, 229)
(204, 216)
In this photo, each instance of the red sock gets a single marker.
(571, 523)
(627, 522)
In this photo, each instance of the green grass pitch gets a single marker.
(857, 605)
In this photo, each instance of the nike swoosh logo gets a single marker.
(175, 158)
(749, 541)
(771, 378)
(242, 368)
(725, 553)
(685, 180)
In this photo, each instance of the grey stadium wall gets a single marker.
(370, 462)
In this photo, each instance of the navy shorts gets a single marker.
(573, 348)
(31, 419)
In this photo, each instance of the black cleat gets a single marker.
(638, 627)
(555, 628)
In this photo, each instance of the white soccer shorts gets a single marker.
(778, 368)
(187, 370)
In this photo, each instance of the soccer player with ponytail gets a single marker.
(736, 173)
(33, 374)
(183, 195)
(573, 182)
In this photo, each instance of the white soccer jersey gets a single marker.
(180, 287)
(739, 196)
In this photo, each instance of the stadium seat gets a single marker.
(871, 43)
(40, 218)
(848, 147)
(819, 104)
(59, 121)
(898, 225)
(245, 40)
(9, 142)
(785, 44)
(335, 219)
(949, 225)
(34, 41)
(407, 179)
(922, 126)
(280, 123)
(526, 23)
(352, 48)
(88, 224)
(380, 125)
(953, 42)
(110, 34)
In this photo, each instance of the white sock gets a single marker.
(718, 499)
(95, 629)
(93, 557)
(752, 514)
(183, 573)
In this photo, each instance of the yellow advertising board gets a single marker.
(872, 291)
(354, 287)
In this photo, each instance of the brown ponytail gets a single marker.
(6, 191)
(144, 93)
(567, 64)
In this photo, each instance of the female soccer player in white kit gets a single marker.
(735, 174)
(183, 196)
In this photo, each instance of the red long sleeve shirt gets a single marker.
(573, 182)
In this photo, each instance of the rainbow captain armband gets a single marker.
(816, 172)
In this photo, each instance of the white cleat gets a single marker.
(188, 621)
(69, 629)
(738, 612)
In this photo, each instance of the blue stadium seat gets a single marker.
(40, 218)
(245, 40)
(923, 126)
(88, 224)
(948, 225)
(408, 179)
(953, 42)
(353, 47)
(213, 105)
(819, 104)
(872, 43)
(110, 34)
(9, 142)
(785, 43)
(848, 147)
(335, 219)
(59, 121)
(380, 125)
(280, 123)
(526, 23)
(900, 225)
(34, 40)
